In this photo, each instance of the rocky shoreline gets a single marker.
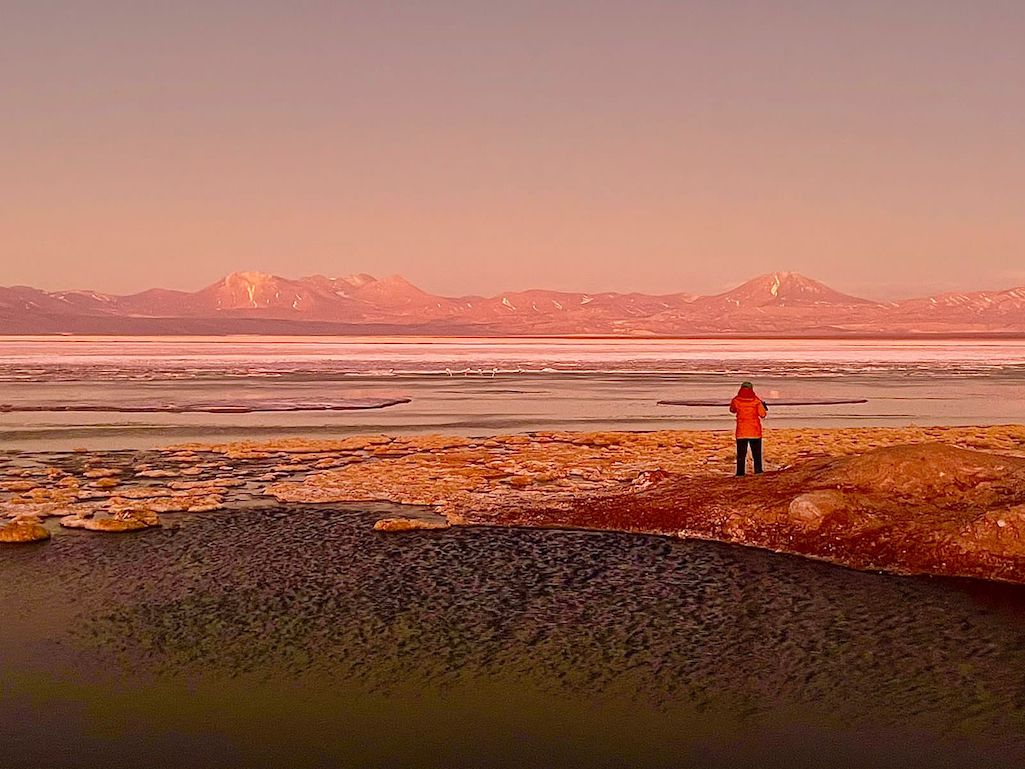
(944, 501)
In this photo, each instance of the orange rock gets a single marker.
(248, 455)
(330, 462)
(18, 486)
(519, 480)
(114, 524)
(436, 442)
(135, 520)
(158, 473)
(811, 509)
(408, 524)
(24, 529)
(139, 492)
(205, 507)
(101, 472)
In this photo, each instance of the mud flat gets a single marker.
(946, 501)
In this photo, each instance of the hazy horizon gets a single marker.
(483, 147)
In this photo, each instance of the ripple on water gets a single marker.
(676, 630)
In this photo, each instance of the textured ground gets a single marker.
(947, 501)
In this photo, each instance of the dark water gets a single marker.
(304, 639)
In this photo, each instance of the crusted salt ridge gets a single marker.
(212, 407)
(768, 401)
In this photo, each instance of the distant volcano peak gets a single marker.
(786, 288)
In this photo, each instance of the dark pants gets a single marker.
(756, 453)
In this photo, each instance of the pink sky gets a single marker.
(481, 146)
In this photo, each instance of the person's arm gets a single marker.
(763, 410)
(733, 406)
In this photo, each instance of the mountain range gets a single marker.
(775, 304)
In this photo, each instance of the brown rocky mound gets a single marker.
(929, 508)
(922, 469)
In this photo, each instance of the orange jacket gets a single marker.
(750, 411)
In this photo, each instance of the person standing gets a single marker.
(750, 411)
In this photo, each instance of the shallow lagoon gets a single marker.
(310, 640)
